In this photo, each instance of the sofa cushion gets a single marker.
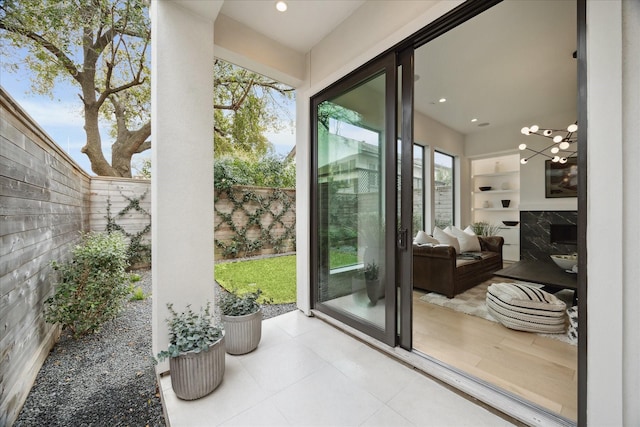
(468, 242)
(446, 239)
(423, 238)
(526, 308)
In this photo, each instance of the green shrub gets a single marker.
(91, 288)
(269, 171)
(189, 331)
(137, 294)
(233, 304)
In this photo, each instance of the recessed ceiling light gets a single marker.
(281, 6)
(442, 100)
(474, 120)
(484, 124)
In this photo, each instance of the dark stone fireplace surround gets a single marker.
(535, 234)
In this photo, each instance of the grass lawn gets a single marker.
(276, 277)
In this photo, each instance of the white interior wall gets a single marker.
(605, 219)
(505, 140)
(630, 226)
(438, 137)
(182, 158)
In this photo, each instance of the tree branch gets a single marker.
(66, 62)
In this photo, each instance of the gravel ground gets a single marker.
(105, 379)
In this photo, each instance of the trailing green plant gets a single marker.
(190, 331)
(137, 251)
(92, 287)
(371, 271)
(484, 228)
(234, 304)
(277, 233)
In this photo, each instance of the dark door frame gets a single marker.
(404, 50)
(382, 64)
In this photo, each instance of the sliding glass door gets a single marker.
(354, 216)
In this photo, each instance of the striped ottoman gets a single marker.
(526, 308)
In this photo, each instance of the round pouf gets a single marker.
(242, 333)
(194, 375)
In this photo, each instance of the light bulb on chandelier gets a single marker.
(560, 149)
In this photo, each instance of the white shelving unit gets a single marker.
(502, 174)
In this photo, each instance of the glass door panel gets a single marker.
(354, 273)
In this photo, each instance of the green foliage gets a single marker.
(101, 47)
(190, 331)
(246, 106)
(92, 288)
(274, 276)
(277, 234)
(235, 304)
(269, 171)
(137, 294)
(484, 228)
(135, 278)
(137, 251)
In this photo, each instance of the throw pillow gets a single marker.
(469, 231)
(468, 243)
(423, 238)
(446, 239)
(526, 308)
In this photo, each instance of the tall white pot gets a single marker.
(242, 333)
(194, 375)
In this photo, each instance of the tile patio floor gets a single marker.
(305, 372)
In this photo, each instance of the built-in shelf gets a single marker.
(495, 191)
(502, 174)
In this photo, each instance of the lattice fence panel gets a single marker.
(252, 221)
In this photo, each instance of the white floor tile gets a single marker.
(277, 367)
(377, 373)
(262, 415)
(305, 372)
(326, 398)
(427, 403)
(387, 417)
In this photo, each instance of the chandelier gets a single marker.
(561, 147)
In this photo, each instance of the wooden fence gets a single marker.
(46, 202)
(44, 205)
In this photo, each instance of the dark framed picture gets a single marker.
(561, 180)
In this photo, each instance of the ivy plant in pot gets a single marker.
(196, 352)
(374, 291)
(242, 320)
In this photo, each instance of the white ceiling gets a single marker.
(301, 27)
(512, 63)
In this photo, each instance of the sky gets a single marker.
(61, 118)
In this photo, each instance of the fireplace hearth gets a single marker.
(543, 233)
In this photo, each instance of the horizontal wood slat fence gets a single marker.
(46, 202)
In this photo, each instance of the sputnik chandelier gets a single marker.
(561, 147)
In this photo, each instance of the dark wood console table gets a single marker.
(544, 273)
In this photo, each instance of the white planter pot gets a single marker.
(194, 375)
(242, 333)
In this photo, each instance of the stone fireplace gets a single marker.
(543, 233)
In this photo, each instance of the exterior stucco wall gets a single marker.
(182, 158)
(613, 238)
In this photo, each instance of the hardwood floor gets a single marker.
(539, 369)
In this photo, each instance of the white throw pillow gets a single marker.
(468, 243)
(469, 231)
(423, 238)
(446, 239)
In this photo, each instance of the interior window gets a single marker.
(443, 187)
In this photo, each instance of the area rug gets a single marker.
(472, 302)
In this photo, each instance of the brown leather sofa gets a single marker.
(439, 269)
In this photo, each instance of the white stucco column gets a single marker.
(303, 202)
(182, 160)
